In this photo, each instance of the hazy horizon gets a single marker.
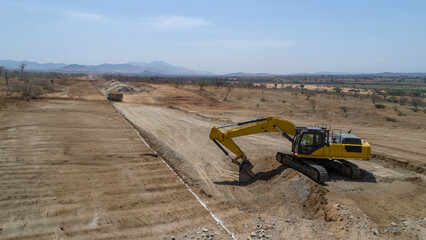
(276, 37)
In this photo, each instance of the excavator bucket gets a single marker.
(246, 174)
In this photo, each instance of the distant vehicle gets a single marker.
(116, 97)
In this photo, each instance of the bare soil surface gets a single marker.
(75, 169)
(387, 201)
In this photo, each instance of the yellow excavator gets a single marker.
(313, 149)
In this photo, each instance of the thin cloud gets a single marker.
(176, 22)
(71, 13)
(250, 43)
(93, 17)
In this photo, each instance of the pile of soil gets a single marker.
(114, 86)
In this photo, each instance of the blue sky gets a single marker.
(220, 36)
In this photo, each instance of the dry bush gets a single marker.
(402, 101)
(381, 106)
(416, 102)
(26, 91)
(390, 119)
(309, 94)
(375, 98)
(45, 84)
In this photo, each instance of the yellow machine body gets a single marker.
(330, 150)
(339, 151)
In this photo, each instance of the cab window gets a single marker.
(319, 140)
(311, 142)
(307, 139)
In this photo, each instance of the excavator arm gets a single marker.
(222, 136)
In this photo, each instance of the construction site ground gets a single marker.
(74, 167)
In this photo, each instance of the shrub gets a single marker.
(202, 85)
(31, 92)
(46, 84)
(401, 114)
(393, 99)
(397, 92)
(344, 109)
(381, 106)
(337, 90)
(416, 102)
(402, 100)
(375, 98)
(390, 119)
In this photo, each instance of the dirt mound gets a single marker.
(399, 163)
(289, 192)
(114, 86)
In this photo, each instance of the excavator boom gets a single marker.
(223, 136)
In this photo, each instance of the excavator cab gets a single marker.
(309, 139)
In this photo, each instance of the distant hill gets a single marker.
(166, 68)
(10, 64)
(73, 68)
(136, 68)
(163, 68)
(116, 68)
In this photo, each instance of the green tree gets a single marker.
(302, 86)
(337, 90)
(202, 85)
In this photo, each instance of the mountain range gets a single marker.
(136, 68)
(163, 68)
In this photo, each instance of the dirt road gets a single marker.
(77, 170)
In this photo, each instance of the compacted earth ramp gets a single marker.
(282, 203)
(77, 170)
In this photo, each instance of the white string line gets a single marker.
(195, 195)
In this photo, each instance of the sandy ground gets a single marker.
(75, 169)
(387, 195)
(403, 142)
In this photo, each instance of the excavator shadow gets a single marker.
(262, 176)
(365, 176)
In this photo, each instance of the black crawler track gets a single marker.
(344, 167)
(316, 168)
(306, 166)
